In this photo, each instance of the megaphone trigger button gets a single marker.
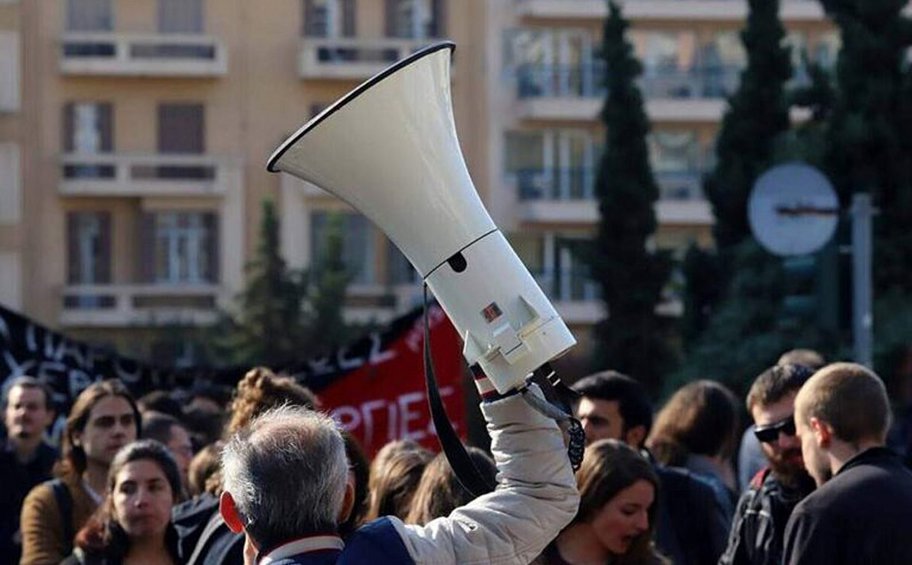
(457, 262)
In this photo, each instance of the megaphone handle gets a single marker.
(463, 467)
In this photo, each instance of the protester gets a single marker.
(439, 492)
(751, 458)
(133, 525)
(25, 458)
(690, 527)
(203, 466)
(160, 402)
(104, 418)
(359, 477)
(394, 476)
(764, 509)
(174, 435)
(294, 519)
(204, 537)
(617, 511)
(697, 430)
(862, 508)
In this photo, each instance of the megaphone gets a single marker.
(389, 149)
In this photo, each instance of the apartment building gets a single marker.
(134, 135)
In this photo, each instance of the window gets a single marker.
(180, 16)
(89, 15)
(552, 164)
(415, 19)
(676, 161)
(552, 62)
(9, 72)
(88, 130)
(400, 270)
(329, 18)
(181, 128)
(357, 243)
(88, 255)
(183, 246)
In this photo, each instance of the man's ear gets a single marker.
(230, 514)
(348, 502)
(823, 432)
(635, 436)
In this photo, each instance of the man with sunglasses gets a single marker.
(758, 527)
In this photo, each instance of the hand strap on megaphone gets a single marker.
(463, 468)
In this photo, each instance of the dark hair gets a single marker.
(439, 492)
(161, 402)
(26, 381)
(633, 401)
(74, 458)
(158, 426)
(610, 466)
(776, 383)
(809, 358)
(359, 466)
(700, 418)
(394, 476)
(102, 533)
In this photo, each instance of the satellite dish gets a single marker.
(793, 210)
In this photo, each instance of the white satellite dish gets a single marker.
(793, 210)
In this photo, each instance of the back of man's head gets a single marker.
(776, 383)
(633, 401)
(286, 473)
(850, 398)
(809, 358)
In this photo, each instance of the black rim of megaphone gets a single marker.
(342, 102)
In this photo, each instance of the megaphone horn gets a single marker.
(389, 149)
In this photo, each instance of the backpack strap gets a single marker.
(65, 506)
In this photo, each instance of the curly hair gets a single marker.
(260, 390)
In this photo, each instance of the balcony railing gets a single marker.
(575, 184)
(587, 81)
(116, 174)
(686, 10)
(352, 58)
(139, 304)
(127, 54)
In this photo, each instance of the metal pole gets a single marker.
(862, 315)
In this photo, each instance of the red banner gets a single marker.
(384, 399)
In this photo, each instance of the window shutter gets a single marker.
(181, 128)
(348, 18)
(106, 127)
(438, 24)
(103, 259)
(391, 18)
(68, 144)
(211, 270)
(72, 244)
(146, 252)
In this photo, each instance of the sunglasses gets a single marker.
(770, 433)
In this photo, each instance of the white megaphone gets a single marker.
(389, 149)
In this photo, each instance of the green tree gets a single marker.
(757, 113)
(631, 276)
(284, 316)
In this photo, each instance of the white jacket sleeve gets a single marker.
(535, 497)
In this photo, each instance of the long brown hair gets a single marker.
(440, 492)
(609, 467)
(73, 461)
(394, 476)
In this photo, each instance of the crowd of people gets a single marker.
(268, 477)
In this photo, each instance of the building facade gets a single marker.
(133, 137)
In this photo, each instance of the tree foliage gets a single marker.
(284, 316)
(631, 276)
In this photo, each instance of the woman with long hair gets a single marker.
(439, 492)
(134, 523)
(616, 516)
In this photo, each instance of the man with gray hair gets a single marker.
(286, 487)
(862, 508)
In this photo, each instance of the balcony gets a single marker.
(667, 10)
(139, 305)
(151, 55)
(573, 294)
(553, 92)
(566, 196)
(352, 58)
(115, 174)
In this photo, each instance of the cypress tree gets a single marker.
(630, 275)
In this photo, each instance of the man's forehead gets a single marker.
(588, 405)
(775, 411)
(21, 393)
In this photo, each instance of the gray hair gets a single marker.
(286, 472)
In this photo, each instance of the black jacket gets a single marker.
(690, 524)
(16, 480)
(862, 515)
(760, 518)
